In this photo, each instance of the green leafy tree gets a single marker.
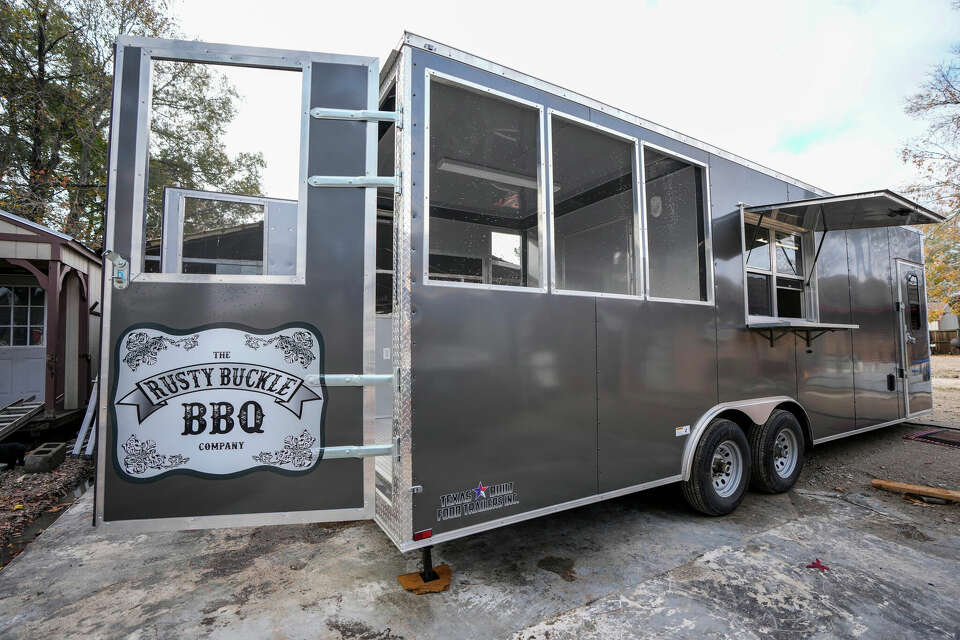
(56, 66)
(936, 157)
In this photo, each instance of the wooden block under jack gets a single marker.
(414, 581)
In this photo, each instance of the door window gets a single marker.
(914, 313)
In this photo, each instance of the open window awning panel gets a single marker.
(854, 211)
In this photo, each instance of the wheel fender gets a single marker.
(756, 409)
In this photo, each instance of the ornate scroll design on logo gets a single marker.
(143, 349)
(296, 348)
(143, 455)
(296, 451)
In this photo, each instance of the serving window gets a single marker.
(775, 273)
(677, 227)
(594, 208)
(484, 226)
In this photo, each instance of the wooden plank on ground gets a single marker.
(917, 489)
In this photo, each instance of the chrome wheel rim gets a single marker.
(785, 453)
(726, 468)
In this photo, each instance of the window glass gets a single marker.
(789, 298)
(221, 130)
(789, 256)
(222, 237)
(758, 294)
(757, 243)
(676, 245)
(384, 290)
(22, 322)
(913, 302)
(593, 209)
(484, 167)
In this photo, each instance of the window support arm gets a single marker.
(756, 233)
(823, 237)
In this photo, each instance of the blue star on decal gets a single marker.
(480, 491)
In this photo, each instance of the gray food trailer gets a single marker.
(493, 299)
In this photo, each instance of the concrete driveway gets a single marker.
(639, 566)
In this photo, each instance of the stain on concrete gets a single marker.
(356, 630)
(260, 542)
(563, 567)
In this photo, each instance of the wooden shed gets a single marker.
(49, 315)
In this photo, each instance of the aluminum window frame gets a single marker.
(707, 224)
(639, 230)
(226, 55)
(432, 75)
(811, 292)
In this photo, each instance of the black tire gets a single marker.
(700, 490)
(772, 471)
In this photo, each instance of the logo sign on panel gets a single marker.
(218, 400)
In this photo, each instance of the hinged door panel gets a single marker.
(222, 322)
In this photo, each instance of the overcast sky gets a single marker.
(812, 89)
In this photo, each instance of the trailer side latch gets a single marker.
(121, 271)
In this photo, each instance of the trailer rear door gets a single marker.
(235, 332)
(914, 338)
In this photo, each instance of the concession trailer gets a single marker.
(487, 299)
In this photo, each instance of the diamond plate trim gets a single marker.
(395, 516)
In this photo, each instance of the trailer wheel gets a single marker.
(777, 448)
(720, 471)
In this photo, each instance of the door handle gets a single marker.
(911, 339)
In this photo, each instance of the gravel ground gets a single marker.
(849, 464)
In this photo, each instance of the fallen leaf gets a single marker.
(816, 564)
(17, 507)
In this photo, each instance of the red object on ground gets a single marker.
(817, 565)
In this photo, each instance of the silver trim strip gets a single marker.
(432, 46)
(365, 451)
(234, 520)
(373, 181)
(536, 513)
(353, 114)
(870, 428)
(350, 379)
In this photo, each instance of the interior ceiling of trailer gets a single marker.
(486, 150)
(854, 211)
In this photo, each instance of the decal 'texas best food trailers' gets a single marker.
(218, 400)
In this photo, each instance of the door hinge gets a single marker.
(898, 306)
(417, 488)
(901, 373)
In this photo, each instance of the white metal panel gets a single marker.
(6, 227)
